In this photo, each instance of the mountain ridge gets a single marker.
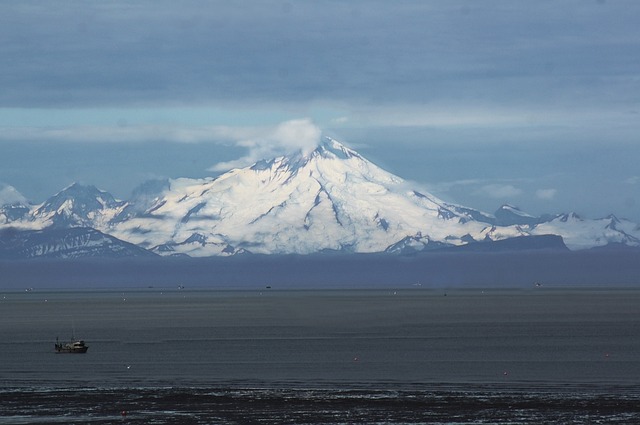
(331, 199)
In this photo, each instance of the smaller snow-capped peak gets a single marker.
(508, 215)
(579, 233)
(87, 197)
(13, 206)
(568, 217)
(514, 210)
(613, 221)
(9, 195)
(77, 205)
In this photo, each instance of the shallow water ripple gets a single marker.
(319, 406)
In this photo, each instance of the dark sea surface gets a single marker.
(165, 356)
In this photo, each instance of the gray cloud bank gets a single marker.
(75, 54)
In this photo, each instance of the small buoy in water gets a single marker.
(505, 373)
(123, 413)
(356, 359)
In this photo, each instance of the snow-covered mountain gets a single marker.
(579, 233)
(12, 213)
(78, 205)
(13, 205)
(509, 215)
(331, 199)
(58, 242)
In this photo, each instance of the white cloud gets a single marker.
(447, 186)
(499, 191)
(126, 133)
(290, 136)
(546, 194)
(584, 122)
(439, 115)
(297, 135)
(260, 141)
(340, 120)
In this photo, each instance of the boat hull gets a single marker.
(77, 347)
(72, 350)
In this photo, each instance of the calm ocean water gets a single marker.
(322, 356)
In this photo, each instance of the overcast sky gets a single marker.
(482, 103)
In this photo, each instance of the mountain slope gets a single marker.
(331, 199)
(57, 242)
(78, 205)
(13, 205)
(579, 233)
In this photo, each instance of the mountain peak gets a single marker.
(10, 196)
(77, 187)
(509, 215)
(76, 204)
(83, 193)
(569, 217)
(329, 147)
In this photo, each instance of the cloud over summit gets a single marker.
(288, 137)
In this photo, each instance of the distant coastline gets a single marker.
(522, 269)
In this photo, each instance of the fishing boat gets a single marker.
(73, 346)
